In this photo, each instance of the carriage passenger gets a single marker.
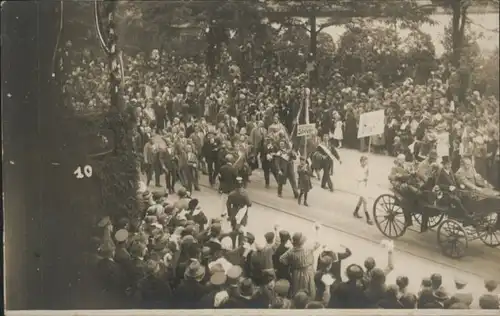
(425, 167)
(404, 181)
(472, 180)
(401, 178)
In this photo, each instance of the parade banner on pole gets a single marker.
(306, 129)
(371, 123)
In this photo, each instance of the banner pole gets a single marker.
(307, 101)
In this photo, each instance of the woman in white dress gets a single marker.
(362, 179)
(338, 133)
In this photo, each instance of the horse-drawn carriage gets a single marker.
(460, 216)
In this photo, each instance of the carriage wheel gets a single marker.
(488, 231)
(434, 221)
(452, 238)
(388, 216)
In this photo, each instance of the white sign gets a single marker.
(306, 129)
(371, 123)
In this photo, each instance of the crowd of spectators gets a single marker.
(175, 257)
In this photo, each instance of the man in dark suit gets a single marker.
(169, 165)
(150, 152)
(446, 179)
(284, 165)
(227, 176)
(267, 150)
(327, 165)
(210, 151)
(111, 274)
(160, 114)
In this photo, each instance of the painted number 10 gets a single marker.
(87, 172)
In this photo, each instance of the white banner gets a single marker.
(306, 129)
(371, 123)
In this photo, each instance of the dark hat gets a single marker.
(377, 274)
(490, 285)
(169, 209)
(234, 274)
(354, 272)
(489, 301)
(325, 261)
(284, 235)
(194, 271)
(369, 263)
(216, 228)
(269, 236)
(249, 237)
(188, 230)
(445, 160)
(123, 222)
(192, 204)
(402, 281)
(246, 287)
(426, 282)
(218, 278)
(188, 240)
(408, 300)
(282, 287)
(300, 300)
(436, 277)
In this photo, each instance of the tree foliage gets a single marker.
(365, 47)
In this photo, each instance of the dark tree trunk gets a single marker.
(313, 50)
(459, 21)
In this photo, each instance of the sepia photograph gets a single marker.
(230, 157)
